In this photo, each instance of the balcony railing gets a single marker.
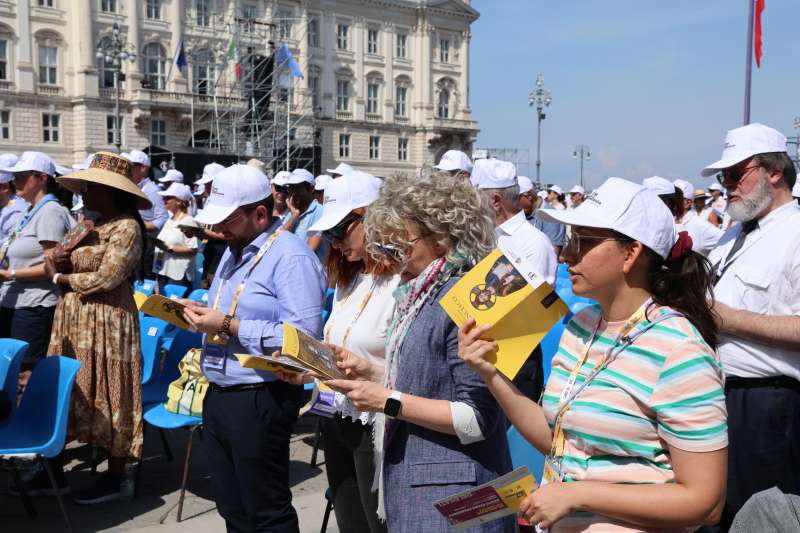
(6, 85)
(401, 120)
(49, 90)
(344, 115)
(373, 117)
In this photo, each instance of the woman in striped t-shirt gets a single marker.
(633, 417)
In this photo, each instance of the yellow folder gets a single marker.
(495, 292)
(168, 310)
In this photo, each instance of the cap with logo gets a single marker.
(232, 188)
(340, 170)
(493, 174)
(351, 191)
(32, 161)
(7, 160)
(716, 187)
(627, 208)
(745, 142)
(577, 189)
(659, 185)
(454, 160)
(138, 157)
(321, 181)
(556, 189)
(281, 178)
(686, 188)
(525, 184)
(300, 175)
(209, 171)
(172, 176)
(179, 191)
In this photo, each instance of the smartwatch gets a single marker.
(393, 404)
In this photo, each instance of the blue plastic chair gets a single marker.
(39, 427)
(524, 454)
(12, 352)
(549, 344)
(151, 334)
(199, 295)
(172, 290)
(328, 306)
(198, 270)
(155, 390)
(146, 287)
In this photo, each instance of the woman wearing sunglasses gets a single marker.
(633, 419)
(438, 431)
(362, 309)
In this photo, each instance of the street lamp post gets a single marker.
(539, 97)
(115, 51)
(583, 153)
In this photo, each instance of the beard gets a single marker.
(748, 207)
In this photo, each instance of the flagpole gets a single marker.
(191, 114)
(748, 78)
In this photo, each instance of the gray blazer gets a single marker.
(422, 465)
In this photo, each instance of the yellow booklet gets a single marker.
(518, 303)
(140, 298)
(167, 310)
(269, 363)
(307, 351)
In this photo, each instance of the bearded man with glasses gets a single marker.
(757, 292)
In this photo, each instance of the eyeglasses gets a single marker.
(340, 230)
(283, 189)
(575, 242)
(733, 176)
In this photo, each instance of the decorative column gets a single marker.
(179, 81)
(388, 54)
(25, 64)
(327, 30)
(133, 73)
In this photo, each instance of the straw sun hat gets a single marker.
(107, 169)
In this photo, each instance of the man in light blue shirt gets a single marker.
(305, 210)
(11, 206)
(267, 276)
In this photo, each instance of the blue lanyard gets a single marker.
(30, 214)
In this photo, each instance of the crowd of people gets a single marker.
(670, 403)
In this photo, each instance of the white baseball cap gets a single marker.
(627, 208)
(281, 178)
(260, 165)
(172, 176)
(300, 175)
(321, 181)
(716, 187)
(556, 189)
(745, 142)
(577, 189)
(454, 160)
(179, 191)
(79, 204)
(32, 162)
(340, 170)
(493, 174)
(351, 191)
(209, 171)
(525, 184)
(796, 189)
(137, 157)
(233, 187)
(542, 194)
(88, 162)
(659, 185)
(62, 170)
(685, 187)
(7, 160)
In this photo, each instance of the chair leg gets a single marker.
(165, 444)
(137, 475)
(186, 471)
(23, 492)
(328, 509)
(46, 465)
(317, 441)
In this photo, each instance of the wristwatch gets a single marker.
(225, 329)
(393, 404)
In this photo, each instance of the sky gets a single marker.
(651, 87)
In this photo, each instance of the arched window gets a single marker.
(402, 86)
(445, 89)
(155, 73)
(105, 69)
(203, 72)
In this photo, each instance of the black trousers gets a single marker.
(30, 324)
(246, 435)
(350, 465)
(764, 439)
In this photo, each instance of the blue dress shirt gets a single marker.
(557, 233)
(157, 214)
(9, 216)
(308, 219)
(288, 284)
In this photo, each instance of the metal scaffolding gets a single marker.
(255, 107)
(521, 157)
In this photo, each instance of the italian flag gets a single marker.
(233, 55)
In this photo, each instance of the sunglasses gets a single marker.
(339, 231)
(733, 176)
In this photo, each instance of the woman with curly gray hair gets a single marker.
(438, 430)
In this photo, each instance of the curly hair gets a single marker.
(445, 208)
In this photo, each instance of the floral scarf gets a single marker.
(409, 299)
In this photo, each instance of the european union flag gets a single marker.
(284, 55)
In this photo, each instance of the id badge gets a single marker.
(214, 356)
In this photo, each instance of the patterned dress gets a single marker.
(97, 323)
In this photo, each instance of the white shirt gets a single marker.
(704, 234)
(764, 278)
(174, 266)
(530, 243)
(367, 327)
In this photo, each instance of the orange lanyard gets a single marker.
(364, 303)
(570, 393)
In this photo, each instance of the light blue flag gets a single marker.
(283, 56)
